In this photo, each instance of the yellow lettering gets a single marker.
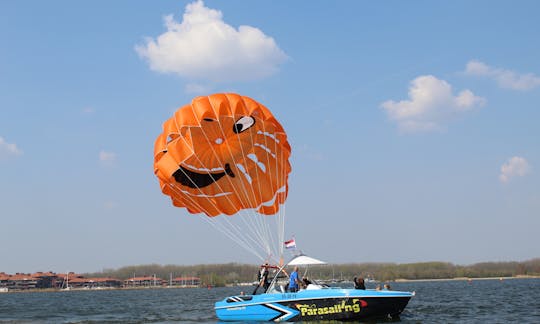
(356, 306)
(312, 310)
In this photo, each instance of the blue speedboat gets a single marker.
(314, 302)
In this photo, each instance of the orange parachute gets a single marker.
(221, 154)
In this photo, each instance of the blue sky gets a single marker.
(413, 125)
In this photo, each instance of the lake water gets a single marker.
(481, 301)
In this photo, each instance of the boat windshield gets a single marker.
(280, 281)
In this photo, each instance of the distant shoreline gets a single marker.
(33, 290)
(467, 279)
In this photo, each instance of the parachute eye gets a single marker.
(208, 119)
(243, 123)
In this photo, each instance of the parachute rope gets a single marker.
(256, 225)
(271, 184)
(260, 239)
(231, 231)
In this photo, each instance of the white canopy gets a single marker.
(305, 260)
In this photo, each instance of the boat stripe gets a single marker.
(284, 313)
(311, 298)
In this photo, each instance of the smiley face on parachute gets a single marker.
(221, 154)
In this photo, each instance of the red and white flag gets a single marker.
(290, 244)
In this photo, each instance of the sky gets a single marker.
(414, 127)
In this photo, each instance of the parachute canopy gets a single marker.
(221, 154)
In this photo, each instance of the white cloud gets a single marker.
(505, 78)
(107, 158)
(515, 167)
(8, 149)
(430, 104)
(203, 46)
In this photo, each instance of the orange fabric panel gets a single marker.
(221, 154)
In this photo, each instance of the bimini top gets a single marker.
(304, 260)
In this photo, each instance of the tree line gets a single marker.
(233, 273)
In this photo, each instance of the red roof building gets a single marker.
(93, 283)
(23, 281)
(145, 281)
(19, 281)
(186, 281)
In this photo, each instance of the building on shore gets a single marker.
(145, 281)
(186, 282)
(95, 283)
(19, 281)
(47, 279)
(41, 280)
(71, 280)
(64, 280)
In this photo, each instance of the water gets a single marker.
(482, 301)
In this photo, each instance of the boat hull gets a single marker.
(330, 304)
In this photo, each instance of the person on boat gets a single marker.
(359, 283)
(263, 278)
(306, 282)
(294, 281)
(387, 287)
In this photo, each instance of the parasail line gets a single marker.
(235, 162)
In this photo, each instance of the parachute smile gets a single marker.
(200, 177)
(221, 194)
